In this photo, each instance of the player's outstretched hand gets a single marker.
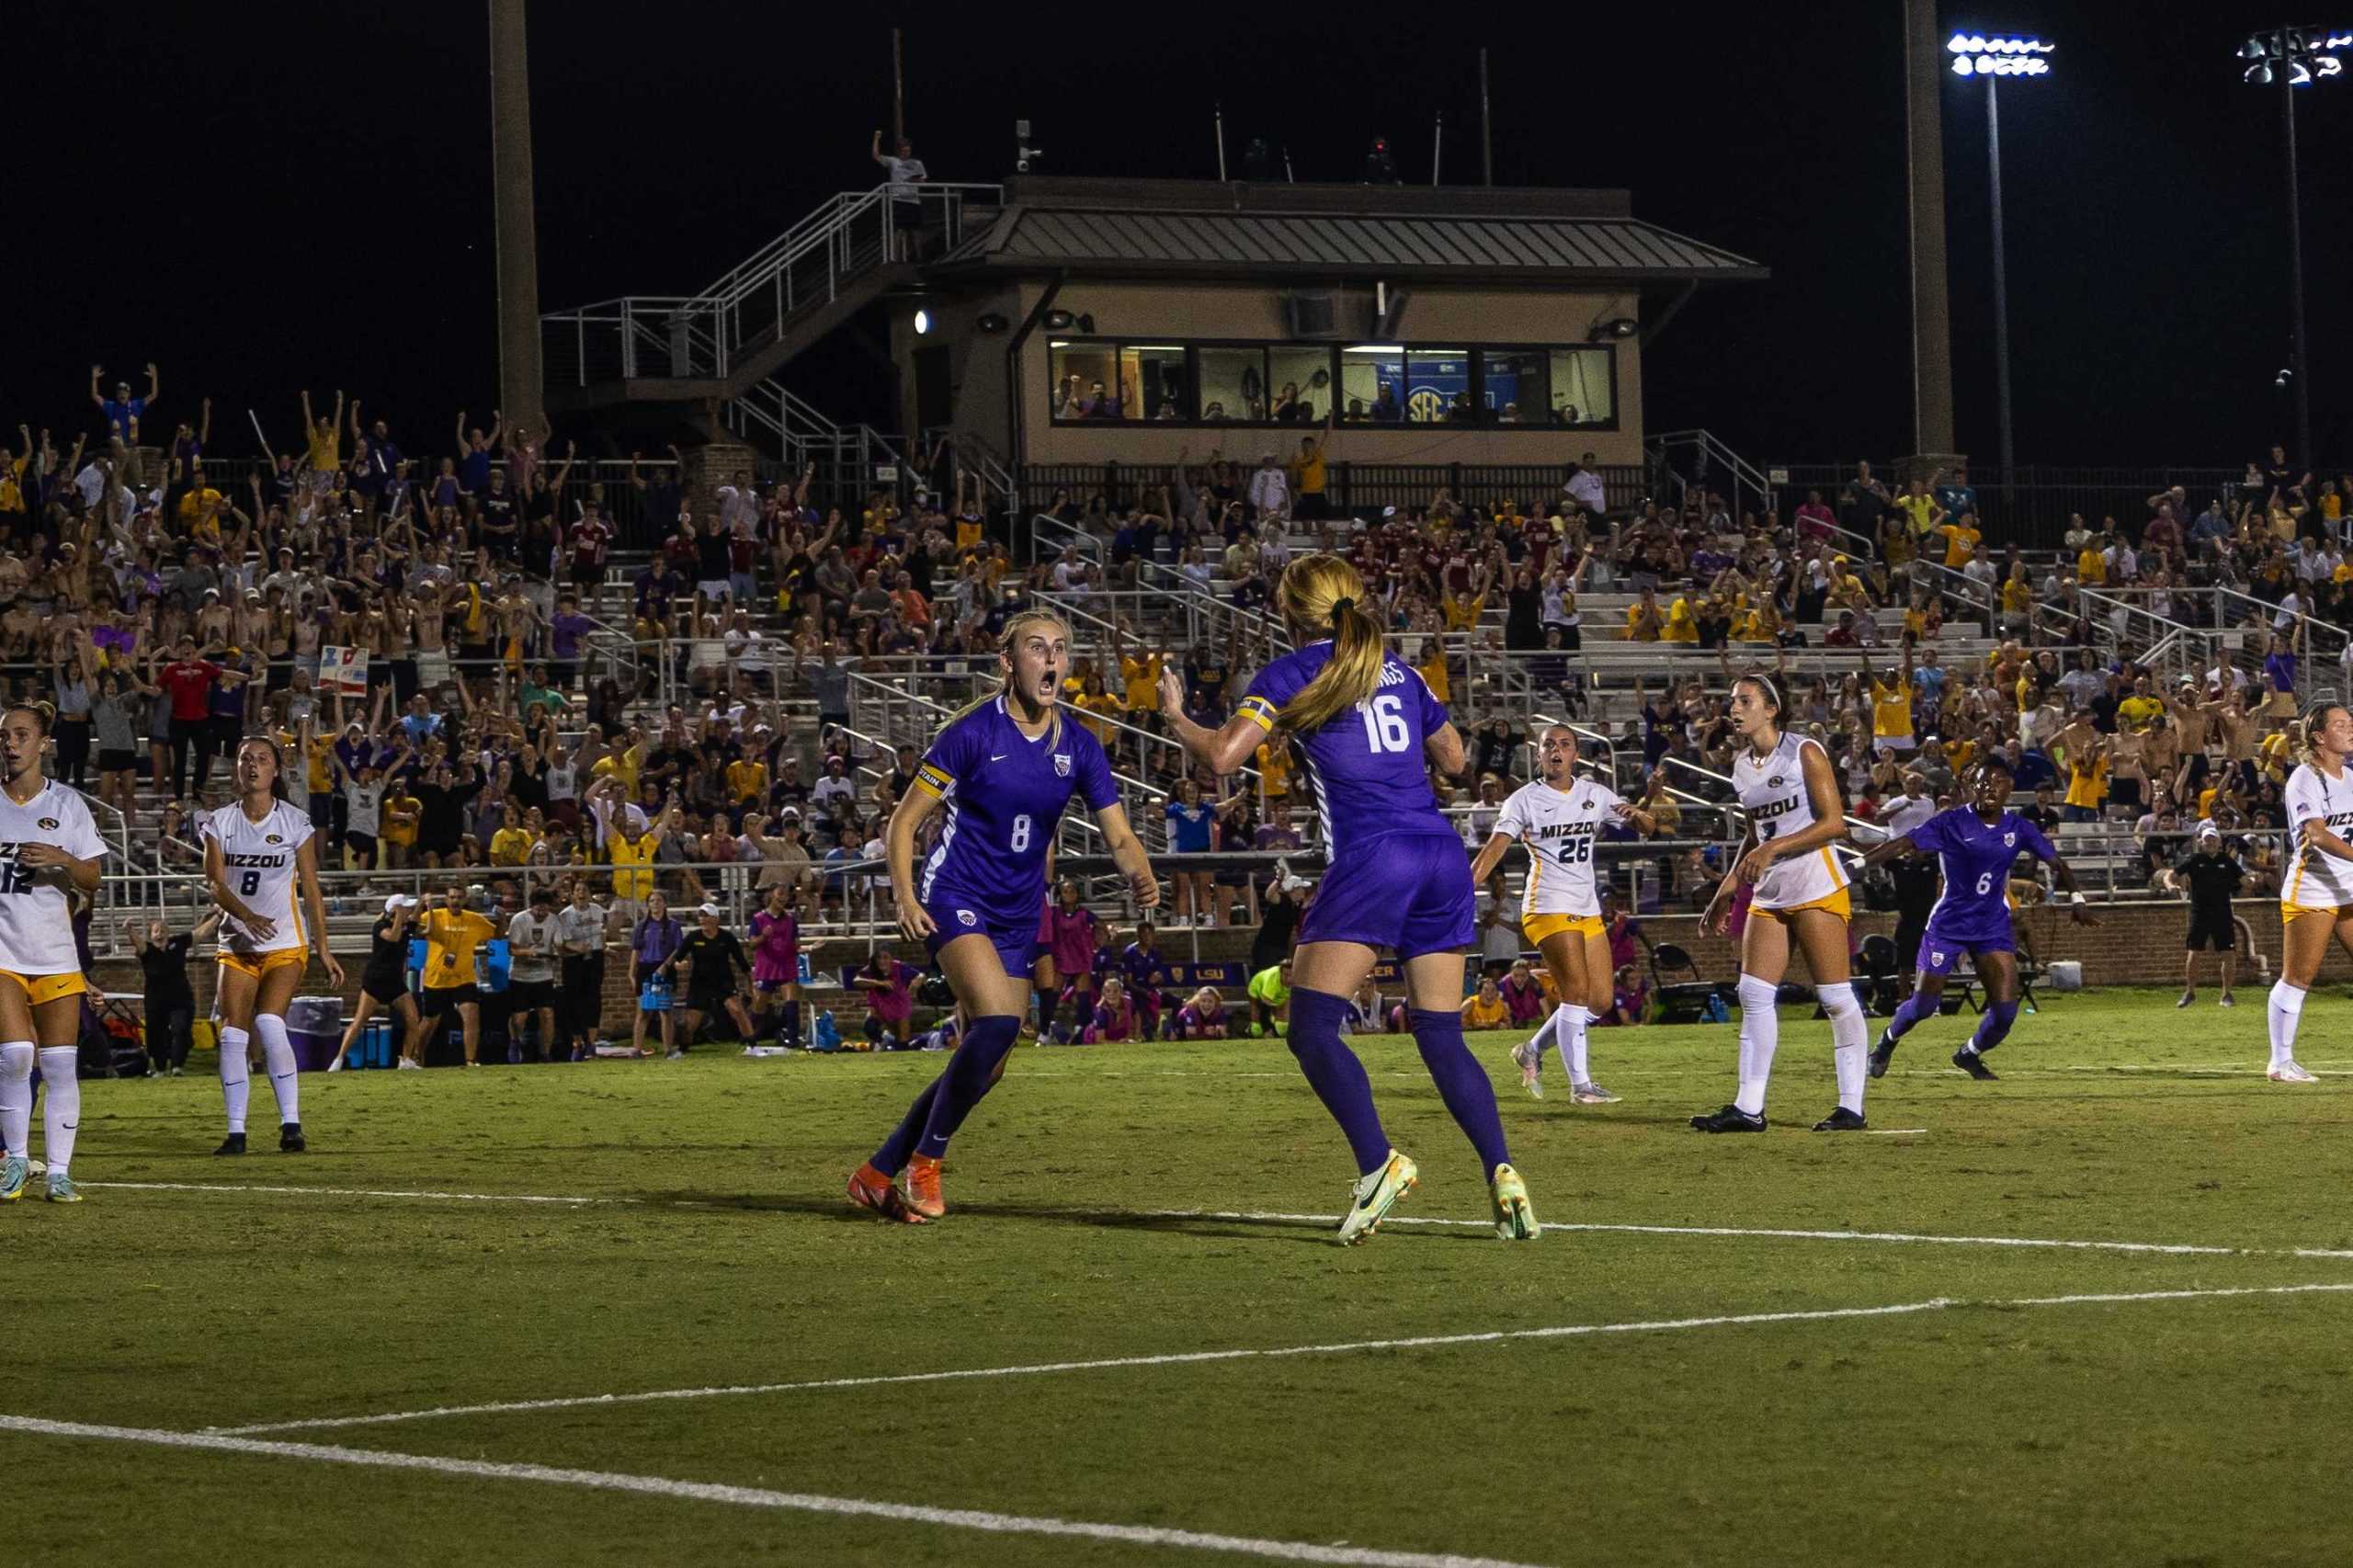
(1145, 887)
(1172, 692)
(914, 923)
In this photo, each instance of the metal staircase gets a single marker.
(1684, 461)
(721, 343)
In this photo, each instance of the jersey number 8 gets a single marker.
(1020, 832)
(1384, 723)
(249, 884)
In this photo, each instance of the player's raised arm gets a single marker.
(1224, 749)
(1888, 849)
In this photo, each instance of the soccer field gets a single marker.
(621, 1312)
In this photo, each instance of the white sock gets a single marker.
(2287, 1008)
(1760, 1032)
(16, 1099)
(235, 1083)
(1584, 1038)
(1848, 1053)
(277, 1055)
(1568, 1033)
(1546, 1032)
(61, 1104)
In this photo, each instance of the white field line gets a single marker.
(1424, 1342)
(762, 1497)
(2173, 1249)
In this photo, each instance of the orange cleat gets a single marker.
(870, 1189)
(922, 1191)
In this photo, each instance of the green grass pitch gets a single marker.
(1131, 1202)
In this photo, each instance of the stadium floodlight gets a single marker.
(1995, 57)
(1974, 54)
(2291, 57)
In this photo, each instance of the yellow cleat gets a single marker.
(1375, 1195)
(1515, 1218)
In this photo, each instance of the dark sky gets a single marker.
(265, 197)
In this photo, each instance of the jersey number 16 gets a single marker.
(1384, 723)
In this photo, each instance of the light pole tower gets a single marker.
(1992, 59)
(2291, 57)
(521, 385)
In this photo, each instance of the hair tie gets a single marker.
(1340, 606)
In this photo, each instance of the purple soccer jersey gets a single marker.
(1364, 769)
(1005, 794)
(1399, 877)
(1976, 858)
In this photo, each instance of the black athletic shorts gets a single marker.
(2210, 925)
(436, 1000)
(524, 996)
(385, 988)
(117, 761)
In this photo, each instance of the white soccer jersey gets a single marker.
(35, 926)
(1559, 826)
(257, 861)
(2316, 878)
(1772, 790)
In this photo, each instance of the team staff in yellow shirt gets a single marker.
(1891, 704)
(453, 935)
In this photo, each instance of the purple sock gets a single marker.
(1995, 1027)
(971, 1073)
(891, 1158)
(1919, 1007)
(1336, 1074)
(1463, 1085)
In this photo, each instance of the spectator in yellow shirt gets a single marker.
(1681, 627)
(1487, 1009)
(511, 845)
(2091, 567)
(747, 780)
(1432, 669)
(1961, 541)
(1920, 508)
(1644, 622)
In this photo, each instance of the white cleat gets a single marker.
(1373, 1196)
(1592, 1093)
(1531, 1069)
(2292, 1072)
(405, 1065)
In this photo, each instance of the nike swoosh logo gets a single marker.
(998, 756)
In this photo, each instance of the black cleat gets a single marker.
(289, 1139)
(233, 1144)
(1881, 1054)
(1732, 1119)
(1975, 1065)
(1841, 1120)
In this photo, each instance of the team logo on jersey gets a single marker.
(1936, 957)
(1062, 765)
(272, 839)
(1774, 782)
(50, 822)
(2010, 841)
(965, 917)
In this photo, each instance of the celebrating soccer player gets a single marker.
(1004, 770)
(1362, 720)
(1976, 844)
(2317, 896)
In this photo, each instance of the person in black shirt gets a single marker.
(441, 825)
(168, 1000)
(1278, 924)
(716, 962)
(2211, 875)
(384, 984)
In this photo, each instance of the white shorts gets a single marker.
(1899, 744)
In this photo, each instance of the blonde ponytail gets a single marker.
(1323, 594)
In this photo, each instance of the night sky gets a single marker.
(262, 198)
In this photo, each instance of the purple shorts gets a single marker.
(1408, 891)
(1015, 942)
(1941, 950)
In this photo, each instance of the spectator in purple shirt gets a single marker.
(1145, 970)
(565, 631)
